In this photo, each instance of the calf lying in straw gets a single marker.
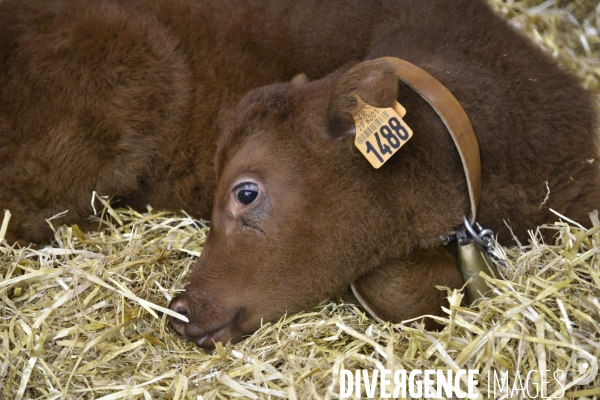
(151, 102)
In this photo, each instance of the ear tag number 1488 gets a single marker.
(380, 132)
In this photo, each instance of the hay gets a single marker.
(567, 29)
(73, 322)
(85, 318)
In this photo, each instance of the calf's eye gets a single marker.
(246, 192)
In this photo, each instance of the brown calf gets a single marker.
(133, 99)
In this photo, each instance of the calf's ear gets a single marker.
(299, 79)
(376, 83)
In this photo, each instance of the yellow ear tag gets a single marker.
(380, 132)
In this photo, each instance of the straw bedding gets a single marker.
(85, 317)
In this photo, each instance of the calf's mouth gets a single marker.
(206, 336)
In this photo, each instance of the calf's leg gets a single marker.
(406, 289)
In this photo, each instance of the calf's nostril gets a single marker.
(180, 306)
(182, 311)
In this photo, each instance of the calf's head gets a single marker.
(295, 214)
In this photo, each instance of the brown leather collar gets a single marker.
(459, 126)
(454, 117)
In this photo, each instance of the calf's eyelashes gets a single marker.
(246, 193)
(245, 198)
